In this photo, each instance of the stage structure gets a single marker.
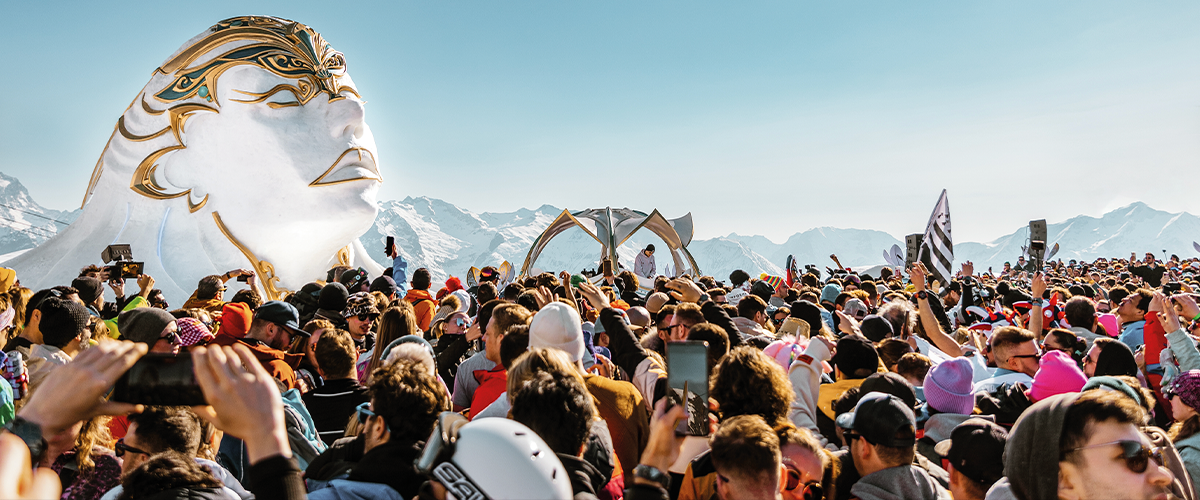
(248, 148)
(611, 227)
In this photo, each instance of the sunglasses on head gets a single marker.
(1137, 455)
(120, 449)
(363, 412)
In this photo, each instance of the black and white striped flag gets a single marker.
(937, 249)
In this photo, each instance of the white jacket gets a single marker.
(805, 375)
(643, 265)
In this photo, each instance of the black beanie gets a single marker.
(62, 320)
(809, 312)
(89, 288)
(855, 353)
(143, 324)
(333, 297)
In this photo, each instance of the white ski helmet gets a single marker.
(493, 458)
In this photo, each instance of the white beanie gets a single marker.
(557, 325)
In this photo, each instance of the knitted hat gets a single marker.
(948, 387)
(192, 331)
(63, 320)
(1058, 374)
(830, 292)
(144, 324)
(557, 325)
(89, 288)
(453, 284)
(333, 297)
(773, 281)
(809, 312)
(1187, 386)
(235, 319)
(359, 304)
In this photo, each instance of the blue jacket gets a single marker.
(344, 489)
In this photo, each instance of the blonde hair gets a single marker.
(541, 359)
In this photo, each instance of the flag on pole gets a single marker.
(937, 249)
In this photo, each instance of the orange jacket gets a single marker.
(279, 364)
(423, 305)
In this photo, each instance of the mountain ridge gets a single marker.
(448, 239)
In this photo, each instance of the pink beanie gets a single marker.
(948, 387)
(1058, 374)
(1109, 320)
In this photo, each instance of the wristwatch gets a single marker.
(923, 295)
(653, 474)
(31, 433)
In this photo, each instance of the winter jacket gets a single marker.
(423, 305)
(585, 479)
(1132, 333)
(302, 432)
(906, 482)
(389, 465)
(624, 410)
(332, 405)
(644, 371)
(279, 364)
(805, 375)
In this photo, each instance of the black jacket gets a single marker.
(585, 479)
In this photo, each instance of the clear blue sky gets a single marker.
(758, 117)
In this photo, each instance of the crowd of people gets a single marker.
(1071, 380)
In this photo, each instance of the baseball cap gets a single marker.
(890, 383)
(976, 449)
(282, 314)
(854, 353)
(881, 419)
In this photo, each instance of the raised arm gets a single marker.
(928, 321)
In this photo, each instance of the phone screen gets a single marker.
(687, 378)
(160, 379)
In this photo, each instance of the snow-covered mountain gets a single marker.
(1132, 228)
(449, 240)
(23, 223)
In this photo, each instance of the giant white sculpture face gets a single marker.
(247, 148)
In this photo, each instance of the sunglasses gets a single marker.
(1036, 357)
(173, 338)
(363, 411)
(812, 489)
(1137, 456)
(120, 449)
(367, 317)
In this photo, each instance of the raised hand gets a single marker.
(684, 290)
(243, 399)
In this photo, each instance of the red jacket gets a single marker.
(279, 364)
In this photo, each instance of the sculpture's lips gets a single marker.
(355, 164)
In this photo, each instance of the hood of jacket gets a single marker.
(416, 295)
(261, 351)
(1031, 466)
(584, 477)
(905, 482)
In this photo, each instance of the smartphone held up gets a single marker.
(160, 379)
(687, 380)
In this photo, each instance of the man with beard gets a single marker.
(275, 325)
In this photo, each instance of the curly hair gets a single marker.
(165, 471)
(748, 382)
(409, 397)
(94, 433)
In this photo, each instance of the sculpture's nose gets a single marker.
(348, 115)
